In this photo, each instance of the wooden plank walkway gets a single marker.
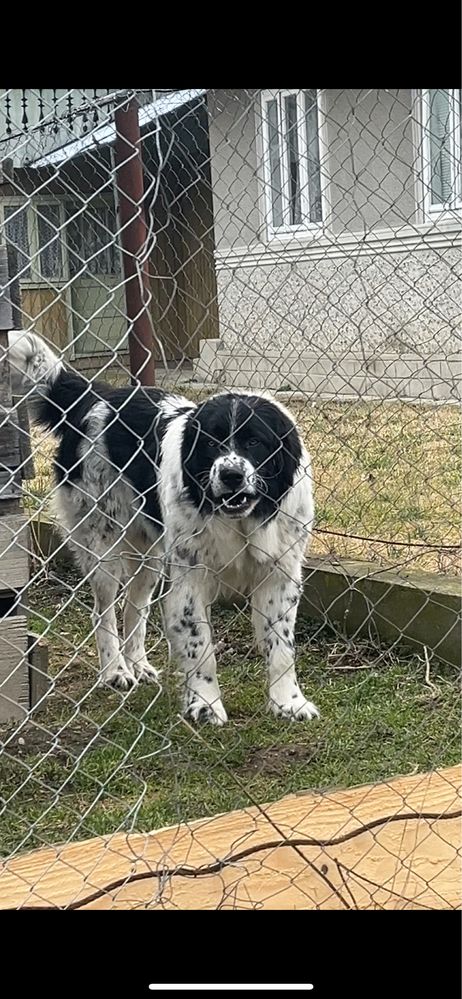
(395, 845)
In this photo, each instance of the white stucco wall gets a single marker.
(377, 278)
(385, 301)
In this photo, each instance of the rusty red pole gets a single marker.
(130, 192)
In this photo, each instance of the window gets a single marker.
(292, 176)
(91, 240)
(441, 149)
(49, 241)
(34, 230)
(17, 236)
(49, 236)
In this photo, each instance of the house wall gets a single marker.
(233, 125)
(85, 312)
(377, 279)
(88, 312)
(370, 161)
(385, 300)
(368, 170)
(182, 264)
(182, 275)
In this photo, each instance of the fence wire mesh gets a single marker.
(304, 244)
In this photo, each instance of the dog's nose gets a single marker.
(232, 477)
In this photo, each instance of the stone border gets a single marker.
(412, 609)
(358, 599)
(385, 376)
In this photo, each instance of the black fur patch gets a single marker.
(133, 416)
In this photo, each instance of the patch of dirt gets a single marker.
(274, 760)
(34, 739)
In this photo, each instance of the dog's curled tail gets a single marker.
(58, 397)
(32, 362)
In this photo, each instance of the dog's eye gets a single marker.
(252, 442)
(211, 443)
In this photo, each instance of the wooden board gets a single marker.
(14, 551)
(9, 444)
(10, 490)
(5, 389)
(182, 276)
(14, 669)
(197, 287)
(409, 862)
(6, 315)
(47, 309)
(14, 287)
(25, 451)
(39, 681)
(10, 456)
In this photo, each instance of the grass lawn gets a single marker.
(390, 472)
(381, 471)
(95, 762)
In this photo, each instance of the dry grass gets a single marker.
(382, 471)
(389, 472)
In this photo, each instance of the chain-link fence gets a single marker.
(160, 561)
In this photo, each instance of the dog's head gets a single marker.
(240, 454)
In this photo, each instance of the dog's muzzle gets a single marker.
(233, 483)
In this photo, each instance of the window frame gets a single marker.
(15, 203)
(35, 210)
(306, 228)
(35, 278)
(72, 212)
(446, 210)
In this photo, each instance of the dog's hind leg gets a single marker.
(105, 582)
(91, 544)
(143, 579)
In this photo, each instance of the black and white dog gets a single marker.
(211, 498)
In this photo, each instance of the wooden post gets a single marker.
(130, 192)
(14, 293)
(20, 407)
(15, 679)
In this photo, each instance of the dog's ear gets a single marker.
(287, 439)
(291, 450)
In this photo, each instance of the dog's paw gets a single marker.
(119, 676)
(144, 672)
(294, 707)
(201, 713)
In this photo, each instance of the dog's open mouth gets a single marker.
(237, 503)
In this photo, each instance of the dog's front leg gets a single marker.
(274, 611)
(186, 607)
